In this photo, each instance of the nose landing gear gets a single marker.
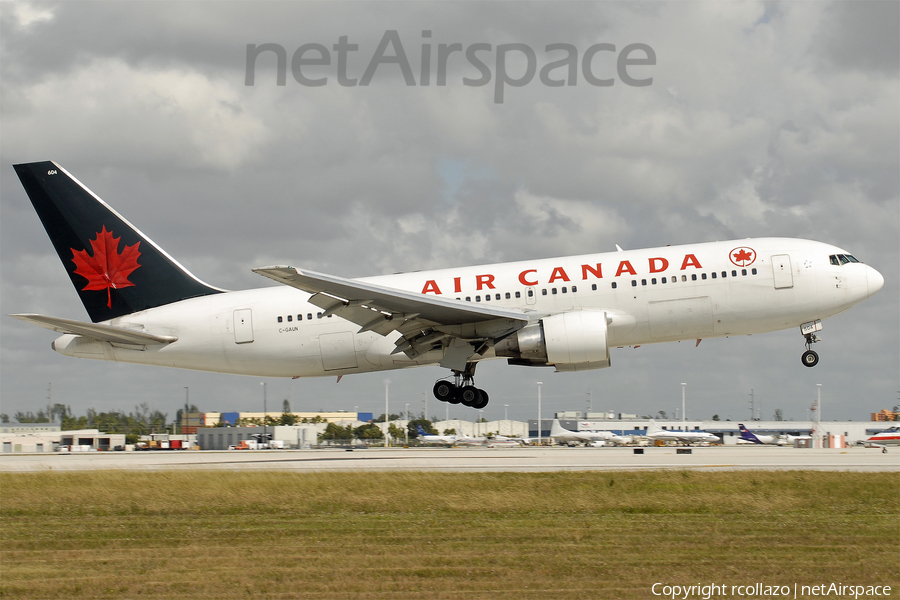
(810, 358)
(461, 390)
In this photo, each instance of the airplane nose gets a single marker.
(874, 280)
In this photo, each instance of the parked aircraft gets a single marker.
(888, 437)
(567, 436)
(780, 440)
(749, 436)
(565, 312)
(430, 438)
(655, 432)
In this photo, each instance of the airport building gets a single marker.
(41, 438)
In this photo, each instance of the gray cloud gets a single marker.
(763, 119)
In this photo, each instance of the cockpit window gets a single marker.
(842, 259)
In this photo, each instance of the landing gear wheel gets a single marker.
(809, 358)
(483, 401)
(444, 391)
(469, 396)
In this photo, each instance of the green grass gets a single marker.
(248, 534)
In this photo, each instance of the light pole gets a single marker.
(387, 382)
(406, 429)
(187, 397)
(539, 384)
(683, 424)
(480, 421)
(264, 437)
(506, 417)
(818, 436)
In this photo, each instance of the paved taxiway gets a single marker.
(470, 459)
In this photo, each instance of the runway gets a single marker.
(527, 459)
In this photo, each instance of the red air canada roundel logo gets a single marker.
(107, 269)
(742, 256)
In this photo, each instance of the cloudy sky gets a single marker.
(762, 119)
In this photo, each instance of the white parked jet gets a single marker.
(564, 312)
(655, 432)
(430, 438)
(567, 436)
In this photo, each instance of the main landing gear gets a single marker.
(461, 390)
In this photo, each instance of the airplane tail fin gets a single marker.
(115, 268)
(652, 427)
(747, 435)
(557, 430)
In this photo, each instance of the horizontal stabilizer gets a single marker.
(106, 333)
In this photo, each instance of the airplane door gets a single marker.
(243, 326)
(530, 295)
(781, 269)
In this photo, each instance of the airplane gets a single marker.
(655, 432)
(567, 313)
(750, 437)
(430, 438)
(883, 439)
(567, 436)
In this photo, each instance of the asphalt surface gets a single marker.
(519, 459)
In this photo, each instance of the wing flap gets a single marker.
(106, 333)
(329, 292)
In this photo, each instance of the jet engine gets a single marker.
(571, 341)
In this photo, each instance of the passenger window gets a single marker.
(468, 298)
(544, 292)
(518, 294)
(554, 290)
(703, 276)
(477, 298)
(497, 297)
(694, 277)
(309, 316)
(290, 318)
(613, 285)
(487, 297)
(734, 273)
(507, 295)
(643, 282)
(564, 290)
(713, 274)
(724, 274)
(653, 281)
(743, 272)
(634, 283)
(279, 319)
(574, 289)
(753, 271)
(530, 293)
(663, 279)
(318, 315)
(594, 286)
(300, 317)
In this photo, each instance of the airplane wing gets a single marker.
(106, 333)
(423, 321)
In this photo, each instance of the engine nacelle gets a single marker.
(572, 341)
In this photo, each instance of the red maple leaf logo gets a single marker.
(743, 256)
(106, 269)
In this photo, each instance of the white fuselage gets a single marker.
(652, 295)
